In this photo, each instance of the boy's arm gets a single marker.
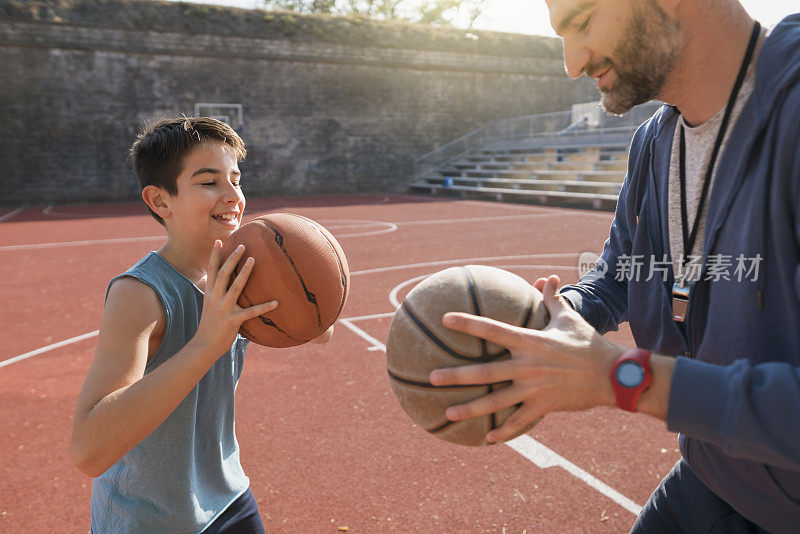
(119, 405)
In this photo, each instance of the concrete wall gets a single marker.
(318, 116)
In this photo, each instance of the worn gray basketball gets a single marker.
(418, 343)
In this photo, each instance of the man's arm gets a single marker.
(601, 297)
(750, 411)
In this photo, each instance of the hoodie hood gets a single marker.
(773, 77)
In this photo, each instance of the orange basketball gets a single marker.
(299, 264)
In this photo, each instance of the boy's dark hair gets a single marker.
(160, 149)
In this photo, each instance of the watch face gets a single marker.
(629, 374)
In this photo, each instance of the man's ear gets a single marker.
(156, 200)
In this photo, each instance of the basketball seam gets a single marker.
(311, 297)
(528, 312)
(484, 347)
(264, 320)
(430, 335)
(428, 385)
(492, 416)
(476, 307)
(339, 262)
(443, 426)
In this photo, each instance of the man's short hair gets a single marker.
(159, 151)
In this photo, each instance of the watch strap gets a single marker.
(627, 397)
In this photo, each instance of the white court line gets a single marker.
(359, 224)
(340, 224)
(465, 261)
(10, 214)
(375, 344)
(393, 226)
(390, 227)
(540, 209)
(79, 243)
(476, 219)
(48, 348)
(366, 317)
(347, 322)
(507, 206)
(539, 454)
(49, 211)
(544, 457)
(396, 289)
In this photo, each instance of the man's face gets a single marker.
(629, 46)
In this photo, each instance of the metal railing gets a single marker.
(533, 126)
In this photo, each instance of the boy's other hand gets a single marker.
(222, 316)
(325, 337)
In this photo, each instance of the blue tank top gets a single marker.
(181, 477)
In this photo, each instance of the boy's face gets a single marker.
(209, 203)
(629, 46)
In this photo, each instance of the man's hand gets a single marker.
(564, 367)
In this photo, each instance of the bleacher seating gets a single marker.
(573, 175)
(576, 157)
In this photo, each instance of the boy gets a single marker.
(154, 421)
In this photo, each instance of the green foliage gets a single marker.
(357, 29)
(435, 12)
(438, 11)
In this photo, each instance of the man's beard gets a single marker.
(644, 58)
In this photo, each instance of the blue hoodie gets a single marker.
(735, 396)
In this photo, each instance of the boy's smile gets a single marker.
(209, 204)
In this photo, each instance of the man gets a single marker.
(703, 260)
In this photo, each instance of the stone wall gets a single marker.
(320, 115)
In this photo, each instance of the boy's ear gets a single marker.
(155, 198)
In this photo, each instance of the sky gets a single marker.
(531, 17)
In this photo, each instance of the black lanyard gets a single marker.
(689, 239)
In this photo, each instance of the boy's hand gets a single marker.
(222, 316)
(325, 337)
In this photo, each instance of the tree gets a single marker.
(438, 12)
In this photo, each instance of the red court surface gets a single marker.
(323, 440)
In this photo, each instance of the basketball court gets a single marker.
(325, 444)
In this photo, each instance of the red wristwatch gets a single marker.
(630, 377)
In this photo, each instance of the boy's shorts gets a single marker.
(241, 517)
(682, 503)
